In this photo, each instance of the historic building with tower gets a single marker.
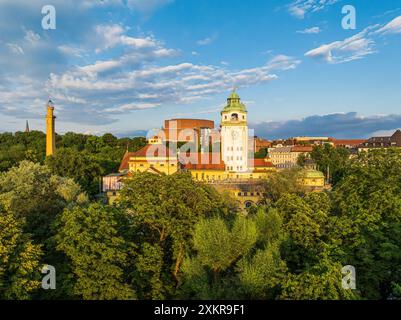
(226, 161)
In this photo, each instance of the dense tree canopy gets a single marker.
(171, 237)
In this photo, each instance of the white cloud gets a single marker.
(313, 30)
(207, 41)
(71, 51)
(394, 26)
(32, 37)
(153, 86)
(349, 49)
(15, 48)
(356, 47)
(299, 8)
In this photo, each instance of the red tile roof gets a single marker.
(301, 149)
(154, 150)
(211, 166)
(202, 161)
(257, 163)
(124, 163)
(347, 142)
(150, 150)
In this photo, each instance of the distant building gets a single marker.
(260, 143)
(310, 140)
(382, 142)
(287, 157)
(347, 143)
(186, 130)
(27, 127)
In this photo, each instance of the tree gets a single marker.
(261, 275)
(80, 166)
(331, 160)
(282, 182)
(164, 211)
(31, 192)
(98, 254)
(19, 259)
(218, 248)
(320, 282)
(367, 220)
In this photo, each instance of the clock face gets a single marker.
(235, 134)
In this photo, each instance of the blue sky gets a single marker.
(126, 65)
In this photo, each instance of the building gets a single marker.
(50, 130)
(287, 157)
(186, 130)
(310, 140)
(234, 134)
(27, 127)
(232, 168)
(260, 143)
(382, 142)
(346, 143)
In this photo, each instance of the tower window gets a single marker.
(234, 117)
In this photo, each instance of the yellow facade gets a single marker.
(209, 175)
(50, 130)
(158, 165)
(313, 179)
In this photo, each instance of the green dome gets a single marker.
(234, 103)
(310, 173)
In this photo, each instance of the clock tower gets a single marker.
(234, 134)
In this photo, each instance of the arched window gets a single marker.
(248, 204)
(234, 116)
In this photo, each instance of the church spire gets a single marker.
(27, 127)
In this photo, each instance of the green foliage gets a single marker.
(84, 158)
(171, 237)
(367, 222)
(320, 282)
(218, 247)
(261, 154)
(261, 276)
(332, 160)
(20, 146)
(164, 210)
(227, 263)
(19, 259)
(30, 191)
(282, 182)
(99, 256)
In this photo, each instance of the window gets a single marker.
(234, 117)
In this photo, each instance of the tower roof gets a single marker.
(234, 103)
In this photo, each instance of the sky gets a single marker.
(124, 66)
